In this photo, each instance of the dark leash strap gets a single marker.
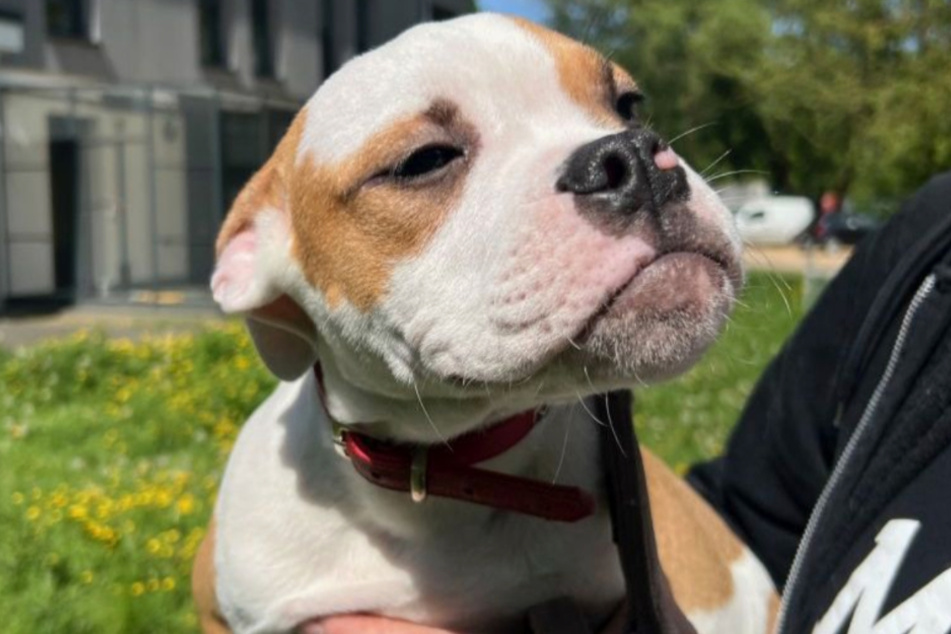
(651, 608)
(651, 605)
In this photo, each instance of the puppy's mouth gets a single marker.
(661, 317)
(659, 286)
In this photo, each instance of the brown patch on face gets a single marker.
(696, 547)
(351, 232)
(588, 78)
(622, 80)
(351, 224)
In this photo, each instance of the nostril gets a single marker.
(615, 171)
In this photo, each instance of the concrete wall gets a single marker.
(157, 41)
(124, 238)
(151, 185)
(27, 203)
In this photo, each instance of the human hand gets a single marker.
(357, 624)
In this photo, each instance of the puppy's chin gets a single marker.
(660, 323)
(653, 328)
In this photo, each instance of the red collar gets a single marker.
(447, 470)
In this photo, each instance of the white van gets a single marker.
(774, 219)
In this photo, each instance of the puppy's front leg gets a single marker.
(203, 586)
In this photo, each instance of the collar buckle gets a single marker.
(340, 438)
(417, 474)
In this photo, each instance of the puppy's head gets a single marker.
(476, 208)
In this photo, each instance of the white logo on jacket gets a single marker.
(928, 611)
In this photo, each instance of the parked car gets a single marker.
(845, 226)
(774, 219)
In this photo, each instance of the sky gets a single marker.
(531, 9)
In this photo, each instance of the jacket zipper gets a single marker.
(927, 286)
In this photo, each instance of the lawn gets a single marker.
(110, 453)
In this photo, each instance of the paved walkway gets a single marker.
(794, 259)
(115, 321)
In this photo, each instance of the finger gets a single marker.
(365, 625)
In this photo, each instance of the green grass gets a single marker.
(688, 419)
(110, 453)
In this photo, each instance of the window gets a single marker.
(243, 150)
(212, 44)
(11, 32)
(67, 18)
(442, 13)
(263, 44)
(327, 39)
(362, 18)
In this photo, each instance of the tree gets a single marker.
(848, 96)
(680, 52)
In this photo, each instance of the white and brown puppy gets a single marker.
(464, 224)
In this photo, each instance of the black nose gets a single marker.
(619, 174)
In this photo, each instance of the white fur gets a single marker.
(748, 608)
(496, 295)
(300, 534)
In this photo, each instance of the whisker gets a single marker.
(541, 386)
(714, 163)
(564, 450)
(773, 277)
(613, 430)
(432, 423)
(588, 378)
(594, 418)
(733, 173)
(691, 131)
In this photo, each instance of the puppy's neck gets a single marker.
(406, 415)
(542, 455)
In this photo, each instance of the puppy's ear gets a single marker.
(253, 258)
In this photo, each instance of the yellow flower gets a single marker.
(168, 584)
(138, 589)
(86, 576)
(163, 498)
(33, 513)
(186, 504)
(77, 511)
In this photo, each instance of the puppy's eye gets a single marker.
(426, 160)
(626, 105)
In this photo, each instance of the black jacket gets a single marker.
(838, 474)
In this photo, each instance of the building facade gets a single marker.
(128, 126)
